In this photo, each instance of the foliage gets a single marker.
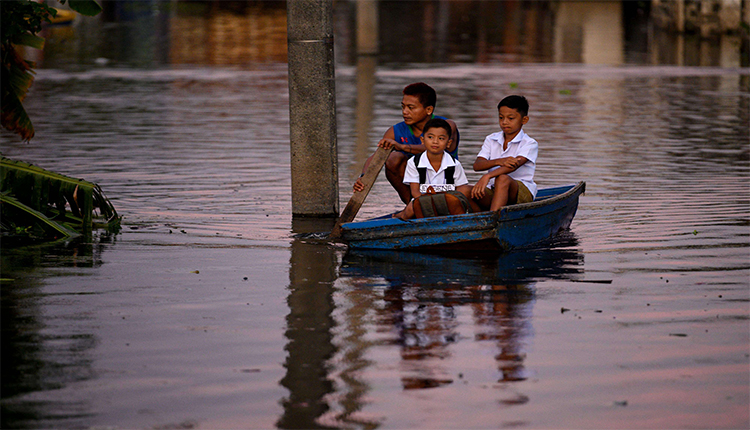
(50, 203)
(20, 22)
(21, 220)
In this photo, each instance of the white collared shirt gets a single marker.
(521, 145)
(434, 179)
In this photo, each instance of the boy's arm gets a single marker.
(411, 178)
(389, 134)
(511, 163)
(389, 141)
(409, 149)
(358, 185)
(454, 137)
(414, 187)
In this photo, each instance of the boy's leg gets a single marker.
(395, 167)
(407, 213)
(524, 195)
(506, 192)
(486, 201)
(466, 190)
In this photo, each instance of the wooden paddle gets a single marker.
(371, 173)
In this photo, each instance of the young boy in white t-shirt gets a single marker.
(435, 162)
(510, 158)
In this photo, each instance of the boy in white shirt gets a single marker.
(510, 158)
(434, 170)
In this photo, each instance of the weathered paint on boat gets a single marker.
(514, 226)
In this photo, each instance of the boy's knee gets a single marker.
(395, 161)
(503, 181)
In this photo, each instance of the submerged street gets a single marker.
(209, 310)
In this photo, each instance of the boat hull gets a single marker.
(514, 226)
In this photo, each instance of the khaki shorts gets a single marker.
(524, 195)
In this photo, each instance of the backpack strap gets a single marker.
(449, 171)
(422, 170)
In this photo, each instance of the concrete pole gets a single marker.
(312, 108)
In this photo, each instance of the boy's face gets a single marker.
(435, 140)
(511, 121)
(413, 111)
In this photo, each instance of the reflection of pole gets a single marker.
(367, 27)
(442, 30)
(363, 114)
(354, 359)
(680, 16)
(367, 50)
(483, 31)
(312, 273)
(312, 108)
(745, 34)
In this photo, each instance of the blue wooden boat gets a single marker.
(512, 227)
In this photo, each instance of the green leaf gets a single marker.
(50, 193)
(31, 40)
(85, 7)
(21, 211)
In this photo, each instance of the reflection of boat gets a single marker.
(559, 260)
(514, 226)
(429, 298)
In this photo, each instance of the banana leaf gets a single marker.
(72, 203)
(35, 224)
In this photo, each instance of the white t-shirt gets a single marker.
(435, 179)
(521, 145)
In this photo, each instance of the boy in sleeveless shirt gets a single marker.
(417, 107)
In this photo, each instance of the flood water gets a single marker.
(208, 311)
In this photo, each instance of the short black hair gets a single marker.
(426, 95)
(438, 123)
(518, 103)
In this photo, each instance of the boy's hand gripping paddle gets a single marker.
(372, 172)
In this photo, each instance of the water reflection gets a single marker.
(228, 33)
(249, 32)
(309, 329)
(198, 151)
(420, 307)
(38, 353)
(409, 301)
(595, 28)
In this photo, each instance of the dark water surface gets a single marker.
(206, 312)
